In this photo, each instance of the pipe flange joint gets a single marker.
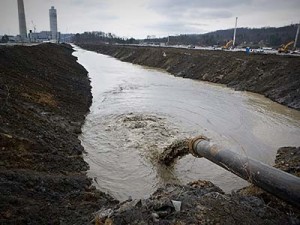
(193, 141)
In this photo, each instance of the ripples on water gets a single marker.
(138, 111)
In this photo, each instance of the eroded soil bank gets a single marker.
(276, 77)
(45, 95)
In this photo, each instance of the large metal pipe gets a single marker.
(275, 181)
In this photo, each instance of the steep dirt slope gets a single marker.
(44, 95)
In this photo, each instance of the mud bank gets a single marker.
(276, 77)
(45, 95)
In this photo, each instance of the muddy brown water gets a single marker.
(137, 111)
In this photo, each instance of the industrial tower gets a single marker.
(53, 23)
(22, 21)
(234, 33)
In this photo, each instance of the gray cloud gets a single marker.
(177, 27)
(199, 24)
(139, 18)
(220, 14)
(268, 5)
(188, 4)
(83, 3)
(206, 14)
(197, 10)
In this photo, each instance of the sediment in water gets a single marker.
(173, 152)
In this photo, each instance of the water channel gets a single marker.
(137, 111)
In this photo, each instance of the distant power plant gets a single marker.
(22, 21)
(53, 23)
(53, 35)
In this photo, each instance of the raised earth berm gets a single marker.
(44, 95)
(276, 77)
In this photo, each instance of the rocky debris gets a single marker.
(201, 203)
(276, 77)
(288, 160)
(44, 97)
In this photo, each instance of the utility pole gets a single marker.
(296, 38)
(234, 33)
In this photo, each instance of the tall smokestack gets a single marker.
(22, 21)
(53, 23)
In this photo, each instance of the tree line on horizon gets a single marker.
(99, 37)
(245, 37)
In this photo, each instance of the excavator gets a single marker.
(228, 45)
(284, 48)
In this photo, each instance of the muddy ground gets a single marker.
(276, 77)
(45, 96)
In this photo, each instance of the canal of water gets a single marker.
(137, 111)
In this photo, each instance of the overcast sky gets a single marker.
(139, 18)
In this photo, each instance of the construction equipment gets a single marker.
(272, 180)
(228, 45)
(284, 48)
(231, 43)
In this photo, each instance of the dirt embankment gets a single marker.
(45, 95)
(276, 77)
